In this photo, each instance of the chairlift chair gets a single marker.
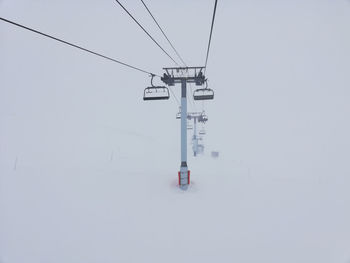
(202, 132)
(203, 93)
(178, 115)
(200, 148)
(203, 118)
(156, 92)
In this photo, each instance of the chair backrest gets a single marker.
(156, 93)
(203, 94)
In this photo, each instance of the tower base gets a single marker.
(184, 177)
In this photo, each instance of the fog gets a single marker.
(88, 170)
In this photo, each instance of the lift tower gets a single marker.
(184, 75)
(197, 117)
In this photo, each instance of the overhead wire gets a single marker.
(77, 46)
(160, 28)
(209, 42)
(148, 34)
(191, 101)
(86, 50)
(210, 35)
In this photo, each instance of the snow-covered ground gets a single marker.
(88, 171)
(130, 215)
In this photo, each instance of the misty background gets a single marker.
(88, 170)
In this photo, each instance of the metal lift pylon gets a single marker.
(183, 75)
(197, 117)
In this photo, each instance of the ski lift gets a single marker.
(178, 115)
(189, 127)
(203, 94)
(202, 132)
(203, 118)
(156, 92)
(200, 148)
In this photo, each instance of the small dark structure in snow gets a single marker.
(214, 154)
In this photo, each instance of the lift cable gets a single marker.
(146, 31)
(76, 46)
(177, 53)
(211, 32)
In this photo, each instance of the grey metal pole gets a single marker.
(195, 141)
(183, 176)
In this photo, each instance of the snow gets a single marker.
(88, 171)
(116, 215)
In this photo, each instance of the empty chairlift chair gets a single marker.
(203, 118)
(200, 148)
(203, 94)
(156, 92)
(178, 115)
